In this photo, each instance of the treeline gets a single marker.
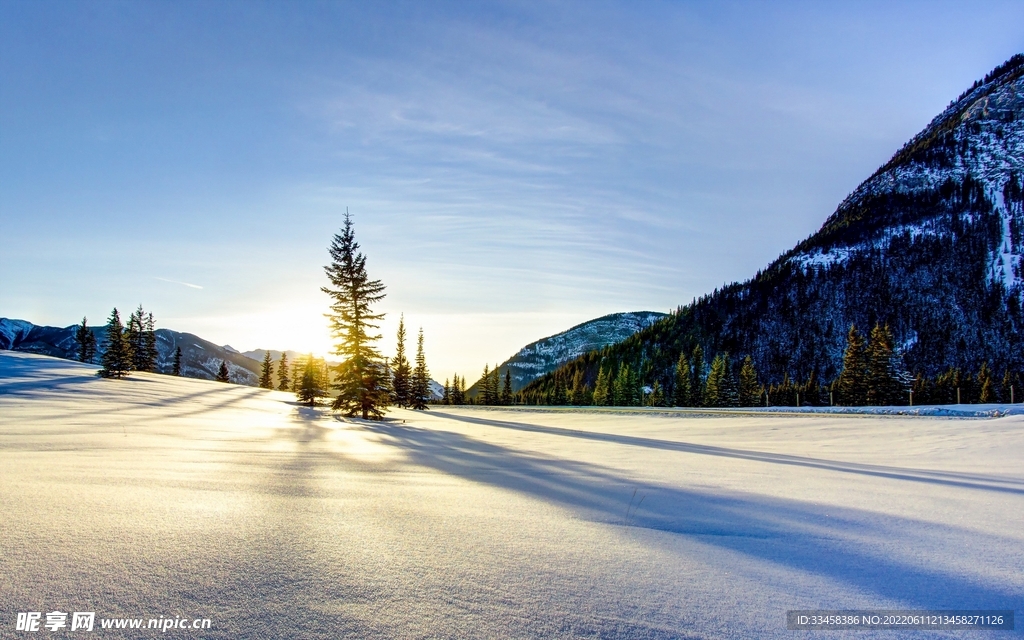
(126, 347)
(873, 374)
(920, 263)
(493, 389)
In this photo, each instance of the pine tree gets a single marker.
(602, 389)
(140, 334)
(311, 385)
(149, 350)
(176, 367)
(401, 380)
(458, 393)
(223, 375)
(986, 388)
(506, 389)
(683, 391)
(750, 387)
(420, 384)
(657, 397)
(698, 371)
(576, 392)
(728, 390)
(117, 356)
(446, 398)
(484, 394)
(283, 381)
(494, 385)
(266, 372)
(886, 382)
(86, 342)
(362, 379)
(852, 380)
(714, 395)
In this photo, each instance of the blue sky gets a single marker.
(512, 168)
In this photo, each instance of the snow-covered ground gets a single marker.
(156, 496)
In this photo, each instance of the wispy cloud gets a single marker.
(185, 284)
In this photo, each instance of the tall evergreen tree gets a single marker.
(223, 375)
(484, 394)
(266, 372)
(576, 392)
(176, 367)
(506, 389)
(311, 384)
(602, 389)
(457, 392)
(683, 388)
(698, 371)
(750, 387)
(885, 381)
(117, 355)
(446, 397)
(86, 343)
(986, 387)
(149, 350)
(420, 384)
(401, 370)
(362, 379)
(713, 394)
(852, 381)
(140, 333)
(284, 383)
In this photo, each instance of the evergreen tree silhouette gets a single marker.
(420, 385)
(311, 383)
(683, 388)
(506, 389)
(223, 375)
(401, 370)
(750, 388)
(266, 371)
(852, 381)
(284, 383)
(117, 355)
(86, 342)
(362, 380)
(176, 367)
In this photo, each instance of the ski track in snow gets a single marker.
(157, 495)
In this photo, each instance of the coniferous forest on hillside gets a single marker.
(927, 250)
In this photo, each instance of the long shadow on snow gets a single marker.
(962, 480)
(846, 545)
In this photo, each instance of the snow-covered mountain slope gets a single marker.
(547, 354)
(930, 244)
(978, 141)
(199, 358)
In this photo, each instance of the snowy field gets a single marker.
(158, 496)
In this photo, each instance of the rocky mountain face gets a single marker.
(199, 358)
(543, 356)
(931, 244)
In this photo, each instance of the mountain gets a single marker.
(930, 244)
(543, 356)
(199, 358)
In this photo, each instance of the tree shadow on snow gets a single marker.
(843, 544)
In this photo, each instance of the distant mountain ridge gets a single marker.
(930, 244)
(199, 358)
(547, 354)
